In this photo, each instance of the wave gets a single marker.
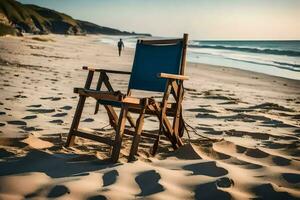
(273, 65)
(288, 64)
(251, 50)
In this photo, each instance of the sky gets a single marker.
(202, 19)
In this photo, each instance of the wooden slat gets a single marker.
(143, 134)
(162, 116)
(167, 41)
(183, 55)
(105, 70)
(172, 76)
(119, 134)
(103, 95)
(137, 136)
(176, 121)
(98, 88)
(132, 100)
(94, 137)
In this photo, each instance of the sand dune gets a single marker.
(253, 119)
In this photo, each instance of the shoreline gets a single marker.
(232, 59)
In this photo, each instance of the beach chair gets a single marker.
(158, 67)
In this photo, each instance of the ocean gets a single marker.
(277, 58)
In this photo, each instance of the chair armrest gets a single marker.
(172, 76)
(112, 96)
(105, 70)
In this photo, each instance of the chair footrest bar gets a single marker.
(143, 134)
(94, 137)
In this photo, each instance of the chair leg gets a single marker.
(74, 126)
(137, 136)
(75, 122)
(119, 134)
(155, 145)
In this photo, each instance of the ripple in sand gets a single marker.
(17, 122)
(264, 106)
(30, 117)
(203, 110)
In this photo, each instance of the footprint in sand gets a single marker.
(17, 122)
(58, 190)
(209, 191)
(51, 98)
(291, 177)
(97, 197)
(56, 99)
(224, 182)
(41, 110)
(30, 117)
(206, 168)
(56, 121)
(148, 182)
(30, 128)
(2, 113)
(46, 98)
(110, 177)
(88, 120)
(35, 106)
(59, 115)
(20, 96)
(66, 107)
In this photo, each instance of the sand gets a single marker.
(255, 119)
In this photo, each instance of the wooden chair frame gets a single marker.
(142, 106)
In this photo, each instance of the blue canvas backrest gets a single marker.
(152, 59)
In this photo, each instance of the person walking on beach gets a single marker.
(120, 46)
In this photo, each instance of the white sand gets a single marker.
(256, 115)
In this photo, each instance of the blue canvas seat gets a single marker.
(150, 60)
